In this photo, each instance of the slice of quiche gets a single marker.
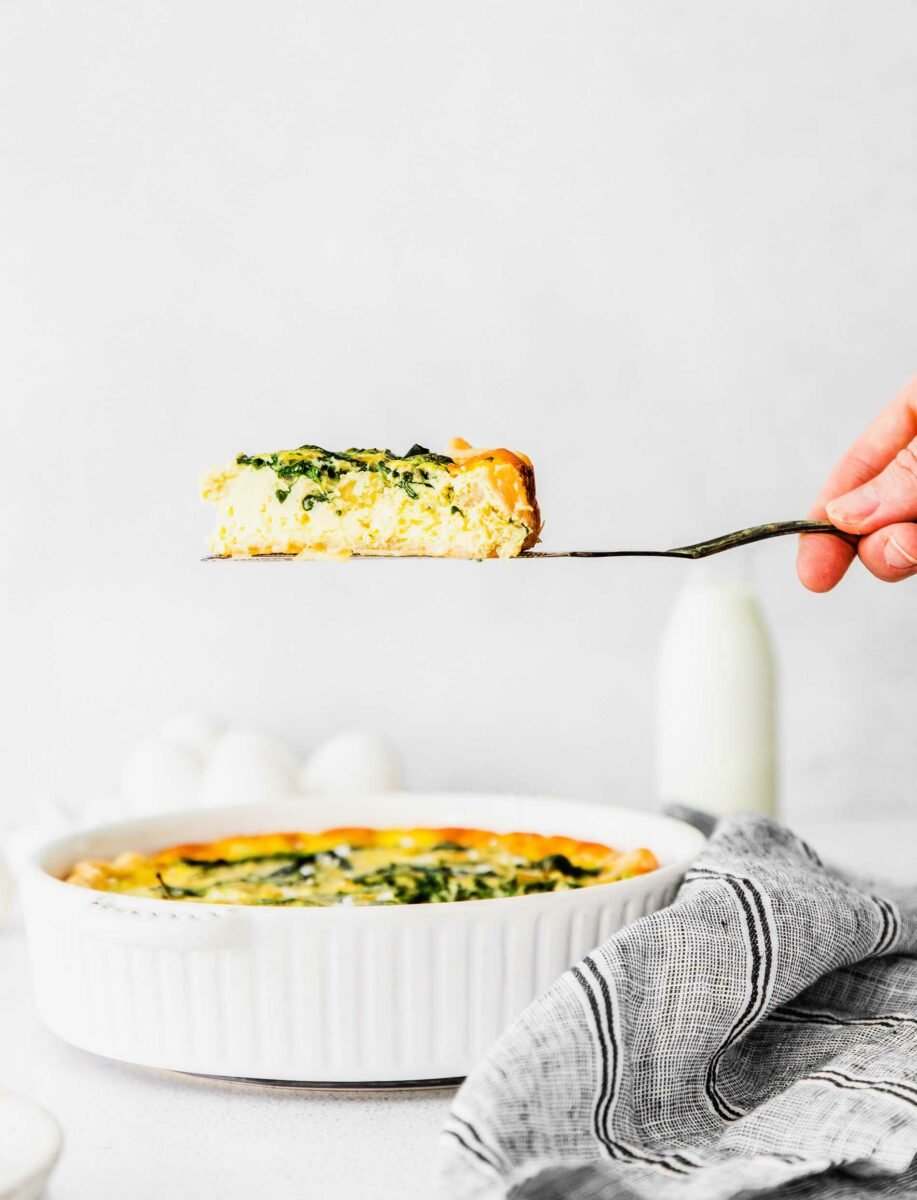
(310, 502)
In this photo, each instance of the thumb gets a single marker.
(888, 498)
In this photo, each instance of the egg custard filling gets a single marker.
(315, 503)
(350, 866)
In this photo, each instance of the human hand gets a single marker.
(871, 492)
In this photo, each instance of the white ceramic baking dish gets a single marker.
(324, 996)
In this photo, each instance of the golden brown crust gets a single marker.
(528, 478)
(526, 845)
(531, 846)
(514, 476)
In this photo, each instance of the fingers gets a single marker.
(891, 553)
(822, 560)
(890, 497)
(877, 454)
(873, 450)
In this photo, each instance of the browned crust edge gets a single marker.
(532, 846)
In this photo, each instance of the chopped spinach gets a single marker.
(177, 893)
(563, 866)
(444, 872)
(325, 467)
(425, 455)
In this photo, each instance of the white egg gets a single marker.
(194, 730)
(159, 776)
(350, 763)
(247, 768)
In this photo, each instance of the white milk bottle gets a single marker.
(716, 714)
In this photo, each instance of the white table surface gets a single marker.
(151, 1134)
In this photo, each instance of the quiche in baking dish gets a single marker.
(364, 867)
(310, 502)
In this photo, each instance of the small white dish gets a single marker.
(30, 1144)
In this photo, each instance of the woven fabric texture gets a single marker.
(757, 1037)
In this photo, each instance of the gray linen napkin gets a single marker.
(758, 1036)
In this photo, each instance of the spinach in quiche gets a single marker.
(365, 867)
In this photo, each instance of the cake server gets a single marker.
(726, 541)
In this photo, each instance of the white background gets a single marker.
(667, 249)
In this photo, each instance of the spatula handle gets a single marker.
(727, 541)
(758, 533)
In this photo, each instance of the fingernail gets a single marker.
(855, 508)
(897, 557)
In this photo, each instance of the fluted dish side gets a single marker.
(324, 995)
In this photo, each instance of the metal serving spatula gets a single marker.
(728, 541)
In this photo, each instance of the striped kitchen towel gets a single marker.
(758, 1037)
